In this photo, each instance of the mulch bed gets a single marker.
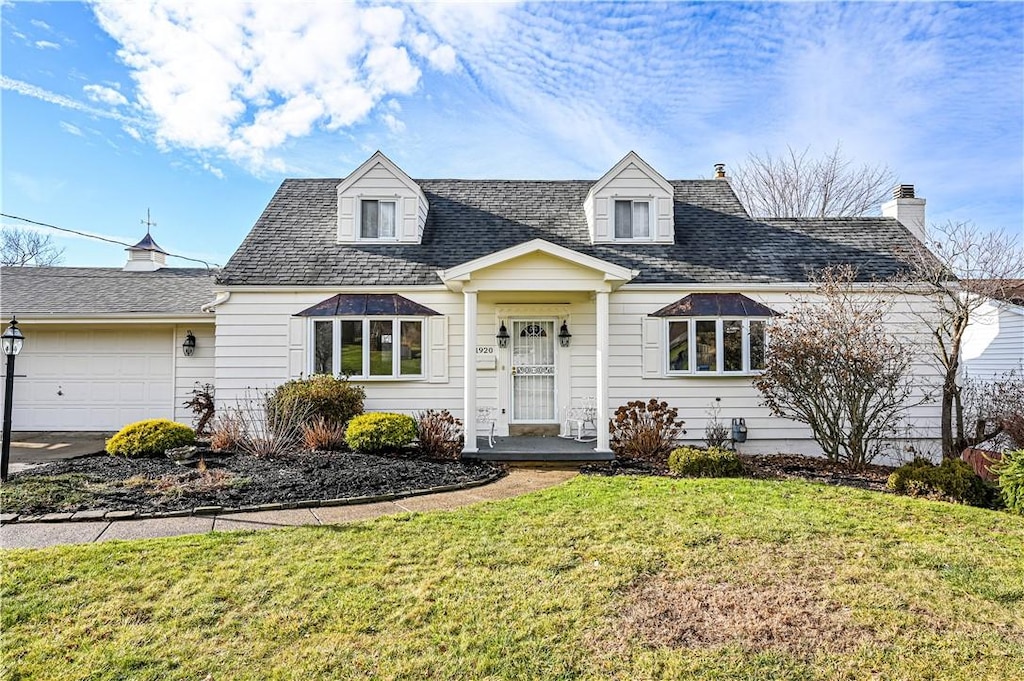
(772, 467)
(153, 485)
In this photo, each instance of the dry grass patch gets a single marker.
(788, 617)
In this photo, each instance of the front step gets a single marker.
(536, 429)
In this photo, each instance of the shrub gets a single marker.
(202, 405)
(322, 435)
(1011, 480)
(380, 431)
(320, 396)
(646, 431)
(267, 430)
(953, 480)
(440, 434)
(149, 438)
(716, 433)
(226, 431)
(713, 462)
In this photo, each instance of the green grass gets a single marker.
(532, 588)
(65, 491)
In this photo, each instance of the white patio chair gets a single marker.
(579, 417)
(487, 417)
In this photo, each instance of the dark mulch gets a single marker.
(158, 484)
(772, 467)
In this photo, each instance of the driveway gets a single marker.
(29, 449)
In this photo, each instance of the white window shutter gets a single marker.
(652, 350)
(438, 339)
(298, 360)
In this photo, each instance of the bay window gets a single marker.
(715, 346)
(369, 347)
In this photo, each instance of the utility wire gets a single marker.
(101, 238)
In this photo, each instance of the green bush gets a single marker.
(150, 438)
(320, 397)
(1011, 480)
(953, 480)
(713, 462)
(380, 431)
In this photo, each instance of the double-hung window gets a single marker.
(369, 347)
(719, 346)
(632, 219)
(377, 219)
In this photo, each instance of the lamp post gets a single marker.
(11, 341)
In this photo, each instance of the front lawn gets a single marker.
(603, 577)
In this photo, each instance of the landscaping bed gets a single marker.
(773, 467)
(156, 484)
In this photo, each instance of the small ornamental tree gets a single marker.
(833, 365)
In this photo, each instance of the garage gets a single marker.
(96, 379)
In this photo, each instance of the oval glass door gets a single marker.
(533, 371)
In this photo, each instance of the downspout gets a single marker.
(221, 298)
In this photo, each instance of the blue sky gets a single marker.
(197, 110)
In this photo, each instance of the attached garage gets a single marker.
(103, 346)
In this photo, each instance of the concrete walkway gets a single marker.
(39, 535)
(30, 448)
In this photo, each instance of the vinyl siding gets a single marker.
(994, 341)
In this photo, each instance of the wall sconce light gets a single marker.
(502, 336)
(189, 346)
(564, 337)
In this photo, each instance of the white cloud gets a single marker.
(132, 132)
(39, 23)
(213, 170)
(244, 78)
(105, 95)
(394, 124)
(37, 92)
(72, 129)
(47, 45)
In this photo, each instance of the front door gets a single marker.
(533, 371)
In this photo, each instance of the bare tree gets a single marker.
(22, 247)
(833, 365)
(797, 184)
(959, 268)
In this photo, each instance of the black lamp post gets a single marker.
(12, 341)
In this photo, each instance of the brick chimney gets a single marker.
(907, 209)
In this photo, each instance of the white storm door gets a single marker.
(533, 371)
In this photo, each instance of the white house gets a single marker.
(533, 297)
(993, 343)
(104, 346)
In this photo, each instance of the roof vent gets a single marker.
(720, 173)
(903, 191)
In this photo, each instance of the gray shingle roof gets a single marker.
(294, 241)
(103, 290)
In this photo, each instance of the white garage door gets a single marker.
(93, 380)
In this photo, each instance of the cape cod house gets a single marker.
(527, 300)
(517, 303)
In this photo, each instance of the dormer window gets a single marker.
(377, 219)
(632, 219)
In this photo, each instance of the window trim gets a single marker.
(396, 357)
(651, 218)
(359, 219)
(691, 335)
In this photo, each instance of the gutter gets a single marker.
(222, 297)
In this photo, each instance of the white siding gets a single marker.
(994, 341)
(191, 370)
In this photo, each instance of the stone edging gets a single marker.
(10, 518)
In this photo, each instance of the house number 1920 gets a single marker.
(485, 349)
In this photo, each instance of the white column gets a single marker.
(469, 370)
(602, 372)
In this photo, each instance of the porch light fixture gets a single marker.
(189, 346)
(564, 337)
(11, 341)
(502, 336)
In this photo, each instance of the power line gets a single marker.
(101, 238)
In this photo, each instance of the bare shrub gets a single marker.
(323, 435)
(995, 407)
(440, 434)
(716, 433)
(645, 430)
(834, 366)
(202, 405)
(226, 431)
(268, 430)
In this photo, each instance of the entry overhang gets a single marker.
(455, 278)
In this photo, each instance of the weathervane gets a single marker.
(149, 223)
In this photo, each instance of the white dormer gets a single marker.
(631, 203)
(379, 203)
